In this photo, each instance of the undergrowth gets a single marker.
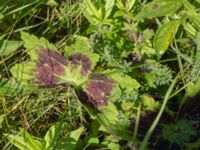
(104, 74)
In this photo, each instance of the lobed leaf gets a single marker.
(33, 44)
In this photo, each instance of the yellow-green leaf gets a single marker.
(164, 36)
(159, 8)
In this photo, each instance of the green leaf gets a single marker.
(193, 88)
(51, 3)
(33, 44)
(24, 141)
(91, 13)
(76, 133)
(149, 103)
(1, 120)
(164, 36)
(69, 142)
(130, 4)
(159, 8)
(23, 72)
(93, 140)
(190, 29)
(29, 139)
(108, 117)
(66, 143)
(114, 146)
(8, 47)
(52, 136)
(198, 48)
(109, 7)
(179, 133)
(81, 45)
(126, 82)
(188, 5)
(195, 19)
(18, 141)
(12, 87)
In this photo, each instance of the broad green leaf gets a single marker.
(114, 146)
(66, 143)
(69, 142)
(29, 139)
(130, 4)
(52, 136)
(159, 8)
(91, 8)
(24, 72)
(108, 116)
(76, 133)
(82, 46)
(51, 69)
(93, 140)
(109, 7)
(18, 141)
(8, 47)
(96, 95)
(120, 4)
(91, 13)
(1, 120)
(126, 82)
(34, 44)
(164, 36)
(24, 141)
(10, 87)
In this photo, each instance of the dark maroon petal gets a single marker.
(49, 67)
(78, 59)
(96, 92)
(54, 55)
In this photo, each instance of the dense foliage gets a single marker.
(103, 74)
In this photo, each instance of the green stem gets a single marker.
(154, 124)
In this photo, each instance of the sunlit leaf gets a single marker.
(149, 103)
(95, 96)
(164, 36)
(76, 133)
(9, 47)
(195, 19)
(69, 142)
(10, 87)
(159, 8)
(24, 141)
(52, 136)
(33, 44)
(108, 7)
